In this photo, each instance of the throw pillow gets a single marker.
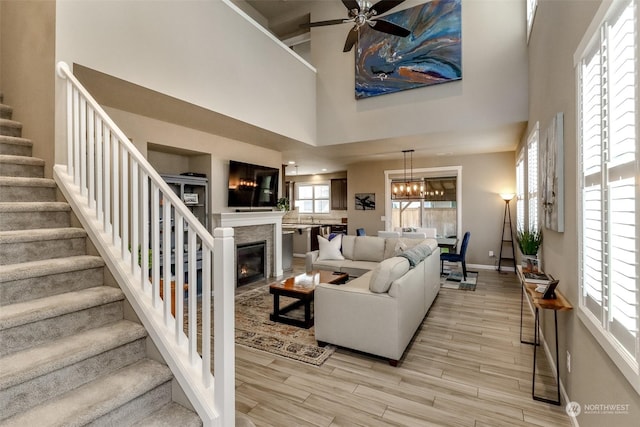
(330, 249)
(416, 254)
(400, 247)
(386, 272)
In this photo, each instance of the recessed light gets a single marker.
(448, 153)
(324, 169)
(292, 162)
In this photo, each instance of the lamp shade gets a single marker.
(507, 196)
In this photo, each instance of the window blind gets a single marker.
(520, 217)
(532, 178)
(608, 137)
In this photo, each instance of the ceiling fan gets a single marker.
(361, 12)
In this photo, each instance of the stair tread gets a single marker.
(57, 305)
(33, 206)
(36, 361)
(48, 267)
(172, 414)
(96, 398)
(11, 123)
(40, 234)
(16, 140)
(21, 160)
(19, 181)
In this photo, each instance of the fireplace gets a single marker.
(251, 261)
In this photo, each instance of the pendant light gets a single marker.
(407, 188)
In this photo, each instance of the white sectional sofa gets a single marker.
(379, 311)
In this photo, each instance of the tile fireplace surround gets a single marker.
(249, 226)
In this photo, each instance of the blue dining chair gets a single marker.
(360, 232)
(459, 257)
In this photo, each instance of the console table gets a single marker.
(559, 303)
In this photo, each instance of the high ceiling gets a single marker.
(284, 17)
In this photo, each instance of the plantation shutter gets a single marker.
(520, 191)
(592, 214)
(609, 170)
(621, 173)
(532, 179)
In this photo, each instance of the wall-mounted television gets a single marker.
(252, 185)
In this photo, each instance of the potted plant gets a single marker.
(283, 204)
(529, 242)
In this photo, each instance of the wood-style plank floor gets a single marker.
(465, 367)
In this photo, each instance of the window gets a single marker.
(313, 198)
(608, 204)
(532, 179)
(532, 5)
(520, 217)
(527, 203)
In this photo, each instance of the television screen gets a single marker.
(252, 185)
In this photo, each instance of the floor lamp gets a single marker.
(507, 197)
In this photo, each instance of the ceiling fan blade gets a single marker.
(324, 23)
(351, 4)
(352, 38)
(389, 28)
(385, 5)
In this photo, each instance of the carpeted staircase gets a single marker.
(67, 355)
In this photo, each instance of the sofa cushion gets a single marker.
(330, 249)
(329, 265)
(416, 254)
(357, 268)
(348, 245)
(386, 272)
(369, 248)
(394, 246)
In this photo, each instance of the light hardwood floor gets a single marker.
(465, 367)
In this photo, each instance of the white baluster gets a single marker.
(224, 324)
(193, 297)
(92, 160)
(115, 188)
(106, 181)
(99, 175)
(135, 217)
(76, 139)
(179, 292)
(83, 147)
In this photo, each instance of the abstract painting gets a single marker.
(365, 201)
(431, 54)
(552, 170)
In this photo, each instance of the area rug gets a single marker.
(254, 329)
(454, 280)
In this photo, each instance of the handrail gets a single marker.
(129, 211)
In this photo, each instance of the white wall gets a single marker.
(494, 80)
(202, 52)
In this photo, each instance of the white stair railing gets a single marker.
(132, 216)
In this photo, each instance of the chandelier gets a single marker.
(407, 188)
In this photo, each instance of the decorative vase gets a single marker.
(530, 263)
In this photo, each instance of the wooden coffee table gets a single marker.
(300, 287)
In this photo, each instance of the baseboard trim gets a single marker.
(490, 267)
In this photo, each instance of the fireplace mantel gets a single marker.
(244, 219)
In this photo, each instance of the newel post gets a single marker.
(224, 325)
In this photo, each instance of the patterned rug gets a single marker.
(454, 280)
(254, 329)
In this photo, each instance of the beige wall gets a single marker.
(201, 52)
(143, 131)
(483, 177)
(559, 27)
(494, 80)
(27, 31)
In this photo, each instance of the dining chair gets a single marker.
(457, 257)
